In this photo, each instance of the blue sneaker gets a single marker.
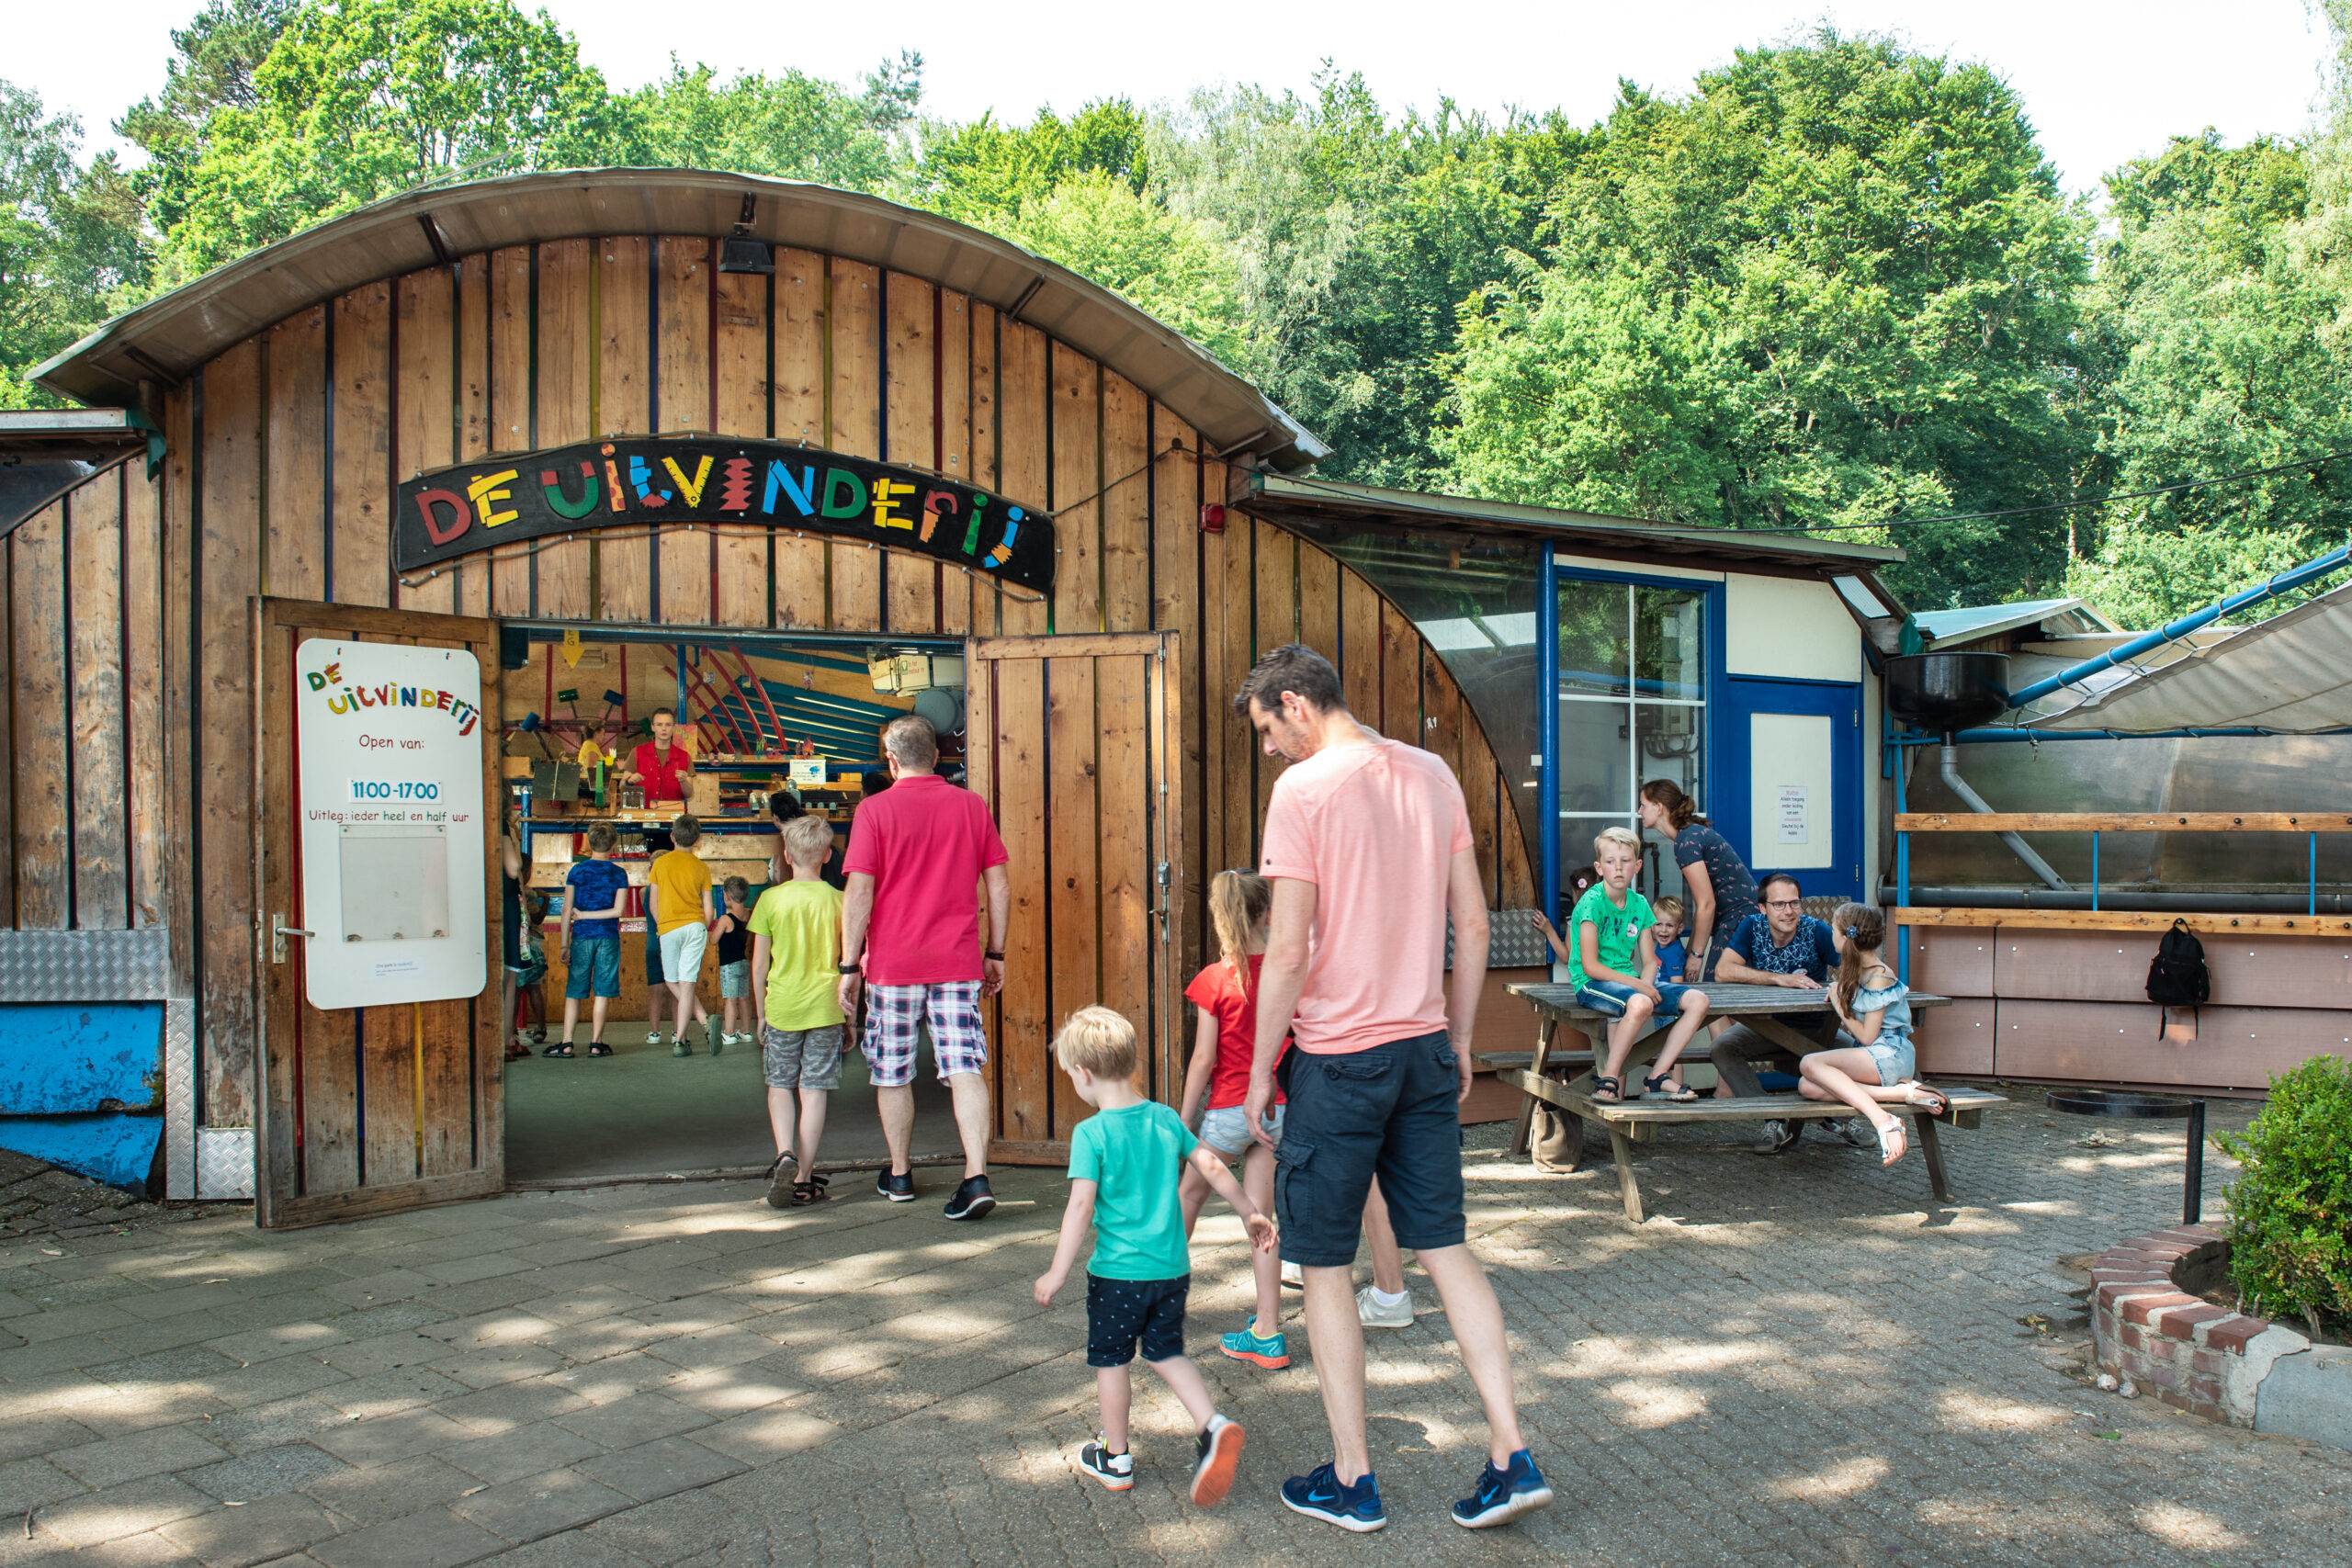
(1504, 1496)
(1320, 1495)
(1271, 1353)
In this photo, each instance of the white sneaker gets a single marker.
(1293, 1278)
(1372, 1315)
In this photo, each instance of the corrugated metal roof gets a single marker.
(1276, 495)
(169, 337)
(1973, 623)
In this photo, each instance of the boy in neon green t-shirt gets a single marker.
(1611, 953)
(795, 933)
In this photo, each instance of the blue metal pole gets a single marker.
(2294, 578)
(2314, 876)
(2094, 872)
(1902, 884)
(1547, 726)
(1996, 736)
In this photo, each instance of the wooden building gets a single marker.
(301, 393)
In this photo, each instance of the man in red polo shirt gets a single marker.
(661, 767)
(911, 932)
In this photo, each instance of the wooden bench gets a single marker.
(1637, 1120)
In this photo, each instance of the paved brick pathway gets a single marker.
(1795, 1360)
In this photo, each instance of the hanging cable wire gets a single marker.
(2304, 463)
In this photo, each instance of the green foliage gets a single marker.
(2291, 1207)
(789, 125)
(2212, 346)
(212, 66)
(361, 100)
(69, 239)
(1834, 286)
(982, 169)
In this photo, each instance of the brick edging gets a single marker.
(2187, 1352)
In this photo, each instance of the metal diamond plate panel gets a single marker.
(1513, 941)
(86, 966)
(179, 1098)
(224, 1162)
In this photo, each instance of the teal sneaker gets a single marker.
(1245, 1345)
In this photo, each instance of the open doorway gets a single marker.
(761, 713)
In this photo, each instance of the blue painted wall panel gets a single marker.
(111, 1147)
(68, 1058)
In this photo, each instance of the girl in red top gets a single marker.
(1226, 994)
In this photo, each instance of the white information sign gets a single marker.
(388, 755)
(1796, 815)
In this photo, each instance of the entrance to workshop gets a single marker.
(760, 713)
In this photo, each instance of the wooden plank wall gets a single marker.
(286, 449)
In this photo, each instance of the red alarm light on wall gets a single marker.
(1212, 518)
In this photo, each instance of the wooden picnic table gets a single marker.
(1760, 1008)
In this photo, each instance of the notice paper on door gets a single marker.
(1796, 815)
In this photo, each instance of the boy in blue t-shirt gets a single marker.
(593, 891)
(1666, 935)
(1125, 1162)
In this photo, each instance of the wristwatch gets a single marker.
(998, 956)
(850, 969)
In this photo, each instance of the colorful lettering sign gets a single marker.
(455, 512)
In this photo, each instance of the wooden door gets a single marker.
(364, 1110)
(1072, 741)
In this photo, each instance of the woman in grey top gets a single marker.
(1722, 889)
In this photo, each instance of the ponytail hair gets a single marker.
(1238, 900)
(1865, 931)
(1677, 806)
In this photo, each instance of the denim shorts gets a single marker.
(735, 979)
(1609, 998)
(1392, 1110)
(594, 960)
(1226, 1129)
(1895, 1059)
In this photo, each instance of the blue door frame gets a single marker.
(1731, 703)
(1840, 702)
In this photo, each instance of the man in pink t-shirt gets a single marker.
(1367, 843)
(910, 933)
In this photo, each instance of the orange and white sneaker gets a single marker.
(1115, 1471)
(1220, 1451)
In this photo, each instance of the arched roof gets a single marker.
(167, 339)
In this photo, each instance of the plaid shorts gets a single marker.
(957, 1039)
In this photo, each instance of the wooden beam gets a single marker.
(2123, 822)
(2149, 921)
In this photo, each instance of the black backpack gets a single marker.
(2177, 976)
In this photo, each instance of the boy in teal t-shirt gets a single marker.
(1125, 1161)
(1612, 954)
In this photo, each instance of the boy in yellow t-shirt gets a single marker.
(682, 915)
(795, 941)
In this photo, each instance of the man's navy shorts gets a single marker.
(1121, 1311)
(1394, 1110)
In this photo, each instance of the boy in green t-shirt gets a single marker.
(1612, 951)
(796, 934)
(1124, 1165)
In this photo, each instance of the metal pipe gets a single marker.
(2018, 846)
(2292, 578)
(1995, 736)
(2324, 907)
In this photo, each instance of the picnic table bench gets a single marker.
(1760, 1008)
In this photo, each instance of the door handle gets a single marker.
(280, 932)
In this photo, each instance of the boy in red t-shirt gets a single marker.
(1226, 994)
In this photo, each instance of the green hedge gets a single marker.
(2291, 1207)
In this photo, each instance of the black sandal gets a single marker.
(1678, 1093)
(1607, 1091)
(562, 1052)
(809, 1191)
(598, 1048)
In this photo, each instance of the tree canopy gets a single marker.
(1833, 285)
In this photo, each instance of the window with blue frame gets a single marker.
(1632, 703)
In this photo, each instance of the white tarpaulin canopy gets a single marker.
(2290, 673)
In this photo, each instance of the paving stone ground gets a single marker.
(1795, 1360)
